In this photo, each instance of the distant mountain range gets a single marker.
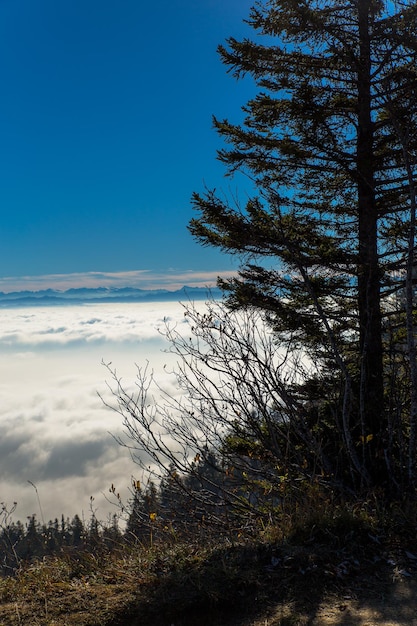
(84, 295)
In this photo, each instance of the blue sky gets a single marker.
(105, 125)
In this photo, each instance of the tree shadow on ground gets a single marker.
(290, 583)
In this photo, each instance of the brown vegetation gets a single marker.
(336, 567)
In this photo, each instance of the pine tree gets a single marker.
(330, 144)
(144, 505)
(77, 531)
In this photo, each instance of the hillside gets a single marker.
(338, 573)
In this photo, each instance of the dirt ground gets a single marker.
(387, 607)
(368, 602)
(393, 605)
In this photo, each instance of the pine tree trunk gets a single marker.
(371, 387)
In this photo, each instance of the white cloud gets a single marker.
(55, 431)
(25, 329)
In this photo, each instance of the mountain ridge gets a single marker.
(99, 295)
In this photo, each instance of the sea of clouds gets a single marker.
(56, 433)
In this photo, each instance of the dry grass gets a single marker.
(338, 567)
(69, 591)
